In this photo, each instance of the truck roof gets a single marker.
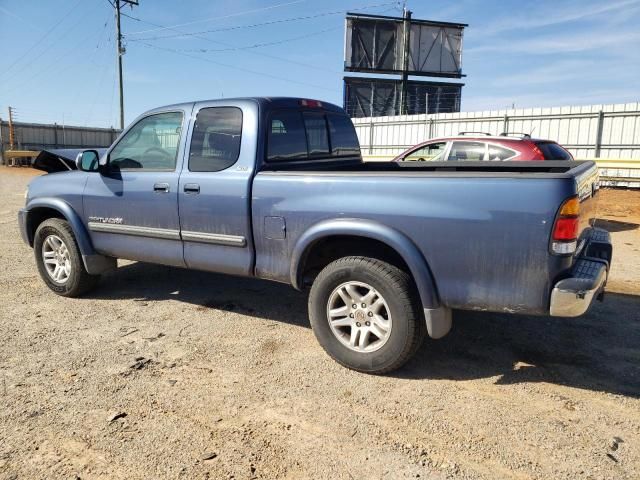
(266, 103)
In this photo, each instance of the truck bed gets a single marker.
(551, 169)
(483, 228)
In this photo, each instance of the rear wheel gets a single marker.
(365, 315)
(59, 260)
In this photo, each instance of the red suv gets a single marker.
(472, 146)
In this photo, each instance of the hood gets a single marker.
(60, 159)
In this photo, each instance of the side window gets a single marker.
(467, 151)
(434, 152)
(215, 141)
(498, 154)
(286, 138)
(317, 134)
(151, 144)
(344, 141)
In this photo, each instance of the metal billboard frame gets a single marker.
(362, 96)
(408, 55)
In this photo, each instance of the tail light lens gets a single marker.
(565, 229)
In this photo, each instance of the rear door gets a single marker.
(215, 186)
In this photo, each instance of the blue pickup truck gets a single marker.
(276, 188)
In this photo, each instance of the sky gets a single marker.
(59, 57)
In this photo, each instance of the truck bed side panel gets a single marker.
(484, 239)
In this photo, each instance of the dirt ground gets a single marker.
(168, 373)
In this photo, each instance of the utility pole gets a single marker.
(406, 36)
(1, 145)
(11, 133)
(119, 52)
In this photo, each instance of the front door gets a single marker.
(213, 198)
(131, 207)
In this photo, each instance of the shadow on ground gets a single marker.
(600, 351)
(614, 225)
(142, 281)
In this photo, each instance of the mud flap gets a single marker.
(97, 264)
(438, 321)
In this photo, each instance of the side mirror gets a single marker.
(88, 161)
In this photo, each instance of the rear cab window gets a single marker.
(553, 151)
(294, 135)
(344, 141)
(315, 125)
(215, 142)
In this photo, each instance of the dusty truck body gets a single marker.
(276, 188)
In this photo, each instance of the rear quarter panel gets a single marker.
(485, 239)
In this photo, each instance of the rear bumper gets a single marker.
(23, 215)
(572, 296)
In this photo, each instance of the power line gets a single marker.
(105, 68)
(270, 7)
(253, 25)
(274, 57)
(113, 93)
(229, 45)
(242, 69)
(11, 14)
(99, 42)
(41, 39)
(259, 45)
(55, 63)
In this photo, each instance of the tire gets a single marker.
(52, 237)
(370, 279)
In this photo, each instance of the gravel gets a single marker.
(168, 373)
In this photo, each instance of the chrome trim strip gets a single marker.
(214, 238)
(163, 233)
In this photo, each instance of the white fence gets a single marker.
(608, 133)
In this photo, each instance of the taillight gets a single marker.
(537, 153)
(565, 228)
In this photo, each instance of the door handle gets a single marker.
(161, 188)
(191, 188)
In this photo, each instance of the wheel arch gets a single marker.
(42, 209)
(394, 240)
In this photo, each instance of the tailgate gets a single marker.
(588, 185)
(576, 288)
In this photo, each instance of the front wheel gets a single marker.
(364, 313)
(59, 260)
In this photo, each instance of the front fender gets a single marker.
(80, 232)
(370, 229)
(94, 263)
